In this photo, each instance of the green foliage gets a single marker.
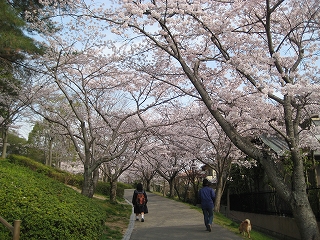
(35, 154)
(15, 46)
(104, 189)
(48, 209)
(35, 142)
(56, 174)
(116, 212)
(41, 141)
(13, 41)
(17, 145)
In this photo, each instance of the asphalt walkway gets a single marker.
(168, 219)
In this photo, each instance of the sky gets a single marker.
(24, 129)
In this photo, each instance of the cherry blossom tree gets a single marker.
(259, 55)
(190, 179)
(201, 138)
(78, 95)
(13, 108)
(210, 145)
(167, 160)
(142, 171)
(97, 101)
(266, 49)
(46, 145)
(112, 170)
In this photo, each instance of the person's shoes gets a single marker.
(209, 227)
(142, 219)
(137, 219)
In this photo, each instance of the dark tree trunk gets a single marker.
(88, 184)
(113, 191)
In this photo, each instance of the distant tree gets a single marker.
(45, 145)
(112, 170)
(167, 159)
(18, 145)
(142, 171)
(210, 145)
(192, 177)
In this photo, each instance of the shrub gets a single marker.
(47, 208)
(55, 173)
(103, 188)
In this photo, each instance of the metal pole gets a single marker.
(16, 229)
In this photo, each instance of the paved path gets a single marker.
(168, 219)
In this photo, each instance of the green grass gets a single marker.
(49, 209)
(232, 226)
(118, 217)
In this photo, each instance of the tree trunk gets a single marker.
(304, 217)
(50, 152)
(95, 179)
(171, 188)
(88, 184)
(148, 181)
(218, 194)
(113, 191)
(299, 201)
(4, 142)
(195, 187)
(296, 196)
(185, 193)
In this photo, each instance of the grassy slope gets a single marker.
(50, 210)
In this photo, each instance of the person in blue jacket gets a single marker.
(206, 198)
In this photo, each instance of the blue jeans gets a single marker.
(208, 216)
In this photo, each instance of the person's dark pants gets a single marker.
(208, 216)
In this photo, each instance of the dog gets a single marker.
(245, 227)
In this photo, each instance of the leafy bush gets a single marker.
(104, 189)
(48, 209)
(57, 174)
(65, 177)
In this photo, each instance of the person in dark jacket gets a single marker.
(139, 209)
(206, 198)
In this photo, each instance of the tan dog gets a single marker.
(245, 227)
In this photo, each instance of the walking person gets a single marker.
(139, 201)
(206, 197)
